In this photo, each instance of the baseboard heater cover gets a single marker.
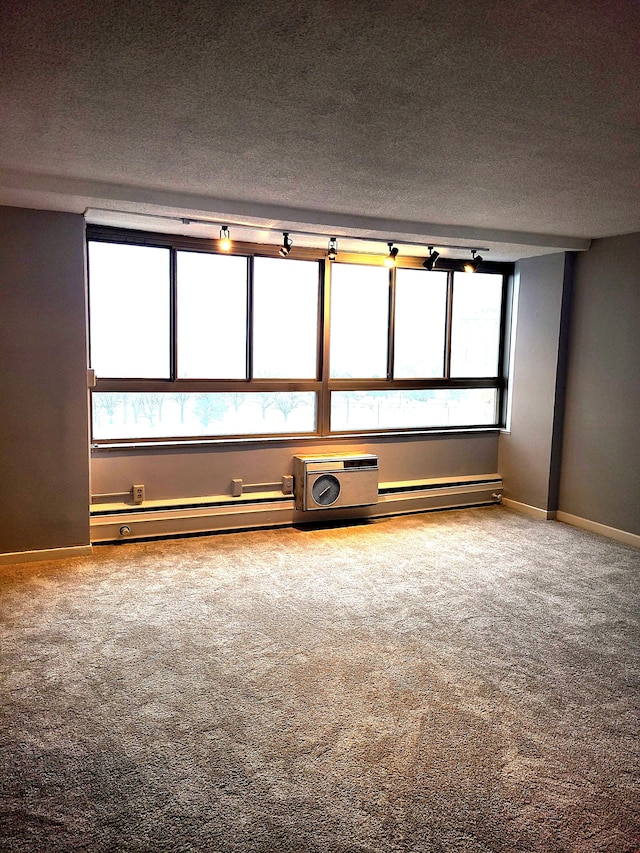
(178, 519)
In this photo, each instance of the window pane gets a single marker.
(359, 321)
(421, 305)
(356, 410)
(285, 319)
(169, 415)
(475, 330)
(129, 305)
(212, 316)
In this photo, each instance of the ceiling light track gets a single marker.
(224, 241)
(332, 240)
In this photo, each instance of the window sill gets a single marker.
(188, 444)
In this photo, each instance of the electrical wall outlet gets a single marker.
(137, 493)
(287, 484)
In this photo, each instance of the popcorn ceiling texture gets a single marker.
(462, 681)
(503, 115)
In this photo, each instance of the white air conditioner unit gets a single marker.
(335, 480)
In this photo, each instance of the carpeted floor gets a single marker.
(461, 681)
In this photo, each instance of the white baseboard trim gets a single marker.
(46, 554)
(526, 509)
(167, 521)
(602, 529)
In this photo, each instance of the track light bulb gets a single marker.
(390, 260)
(430, 262)
(332, 249)
(474, 263)
(225, 239)
(287, 243)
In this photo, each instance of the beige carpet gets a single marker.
(461, 681)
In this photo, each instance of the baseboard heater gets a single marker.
(218, 514)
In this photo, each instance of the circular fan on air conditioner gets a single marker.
(326, 490)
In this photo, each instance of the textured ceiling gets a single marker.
(517, 121)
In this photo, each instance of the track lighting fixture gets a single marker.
(287, 243)
(225, 239)
(474, 263)
(390, 260)
(332, 249)
(430, 262)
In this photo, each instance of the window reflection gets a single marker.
(168, 415)
(365, 410)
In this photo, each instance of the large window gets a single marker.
(212, 311)
(285, 319)
(188, 343)
(130, 298)
(359, 321)
(420, 324)
(475, 332)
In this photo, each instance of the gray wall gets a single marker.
(44, 448)
(528, 457)
(600, 478)
(174, 473)
(44, 467)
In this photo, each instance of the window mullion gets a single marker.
(391, 337)
(173, 314)
(324, 400)
(448, 325)
(503, 353)
(249, 365)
